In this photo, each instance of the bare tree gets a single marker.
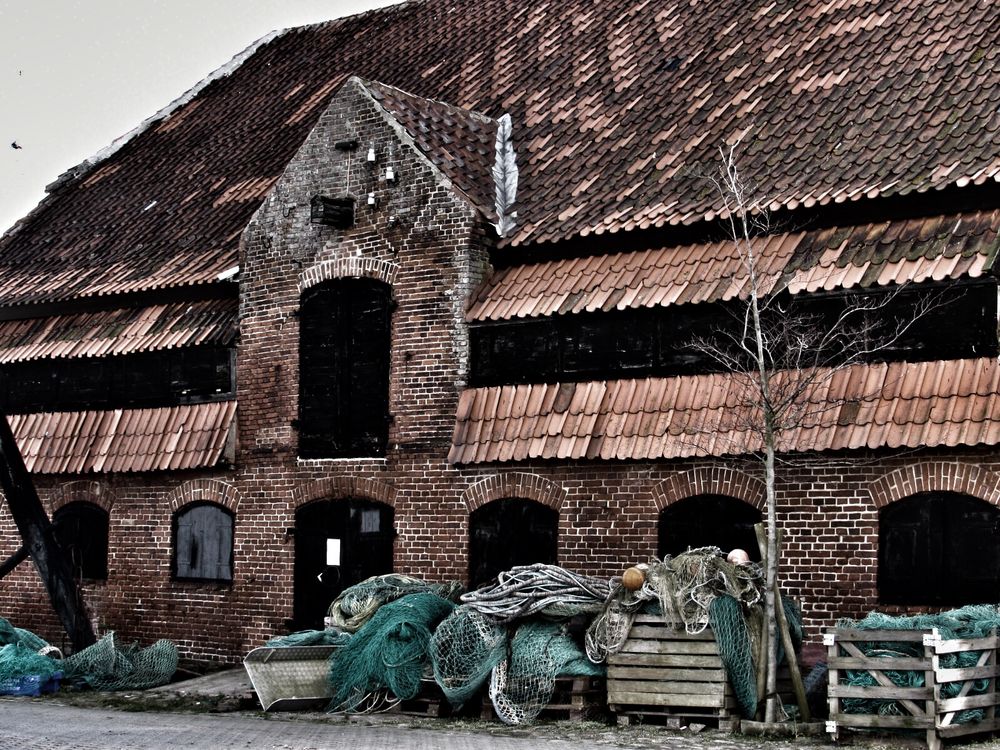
(781, 356)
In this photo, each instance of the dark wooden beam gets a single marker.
(39, 543)
(12, 562)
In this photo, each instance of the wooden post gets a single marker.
(36, 533)
(786, 638)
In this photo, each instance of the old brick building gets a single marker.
(271, 342)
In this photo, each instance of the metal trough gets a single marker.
(294, 678)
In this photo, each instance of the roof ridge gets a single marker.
(224, 70)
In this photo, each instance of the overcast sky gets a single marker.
(76, 74)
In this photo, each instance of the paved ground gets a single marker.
(47, 724)
(214, 713)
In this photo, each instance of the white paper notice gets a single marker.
(333, 552)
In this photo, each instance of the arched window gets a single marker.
(344, 336)
(203, 543)
(510, 532)
(709, 520)
(81, 529)
(940, 548)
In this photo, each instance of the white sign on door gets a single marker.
(333, 552)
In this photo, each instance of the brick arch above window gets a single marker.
(717, 480)
(348, 268)
(936, 476)
(514, 484)
(339, 487)
(82, 490)
(204, 491)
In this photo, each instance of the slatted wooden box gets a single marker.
(922, 708)
(663, 671)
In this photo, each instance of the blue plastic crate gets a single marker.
(30, 684)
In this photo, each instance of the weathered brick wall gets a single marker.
(430, 246)
(608, 520)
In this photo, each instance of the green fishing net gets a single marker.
(464, 649)
(389, 652)
(522, 684)
(357, 604)
(102, 666)
(105, 666)
(973, 621)
(327, 637)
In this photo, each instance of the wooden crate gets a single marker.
(922, 708)
(665, 673)
(573, 699)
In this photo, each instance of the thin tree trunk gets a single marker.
(771, 576)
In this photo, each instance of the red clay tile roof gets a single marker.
(897, 405)
(125, 440)
(941, 247)
(616, 107)
(122, 331)
(460, 143)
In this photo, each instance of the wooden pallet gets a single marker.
(573, 699)
(664, 673)
(429, 702)
(923, 708)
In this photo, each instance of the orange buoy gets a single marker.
(633, 578)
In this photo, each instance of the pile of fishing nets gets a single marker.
(973, 621)
(101, 666)
(514, 638)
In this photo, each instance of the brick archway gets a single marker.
(204, 491)
(930, 476)
(341, 487)
(514, 484)
(345, 268)
(82, 490)
(719, 480)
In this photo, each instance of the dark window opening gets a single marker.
(510, 532)
(344, 369)
(146, 380)
(709, 521)
(939, 548)
(959, 322)
(203, 543)
(338, 543)
(81, 529)
(333, 212)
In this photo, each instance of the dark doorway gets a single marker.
(510, 532)
(338, 543)
(709, 520)
(940, 548)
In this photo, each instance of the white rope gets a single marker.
(529, 589)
